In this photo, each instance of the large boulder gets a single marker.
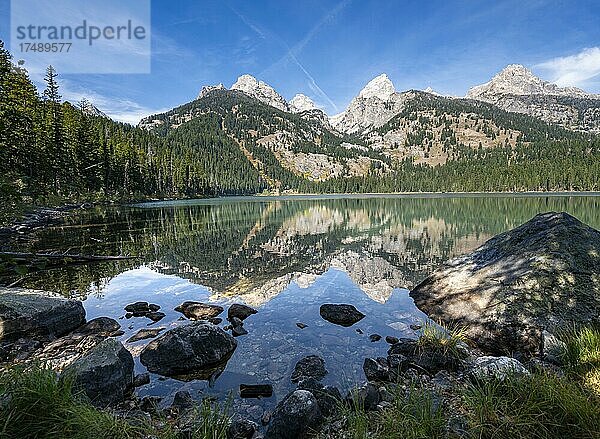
(296, 416)
(542, 275)
(341, 314)
(189, 349)
(35, 314)
(104, 374)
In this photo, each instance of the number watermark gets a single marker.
(75, 36)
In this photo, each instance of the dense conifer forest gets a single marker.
(53, 151)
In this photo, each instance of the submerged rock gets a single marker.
(31, 314)
(105, 373)
(374, 337)
(240, 311)
(541, 275)
(343, 315)
(188, 349)
(144, 334)
(296, 416)
(312, 366)
(199, 310)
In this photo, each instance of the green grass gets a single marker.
(414, 414)
(34, 403)
(541, 406)
(444, 338)
(581, 356)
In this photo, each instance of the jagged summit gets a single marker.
(376, 103)
(516, 79)
(261, 91)
(208, 88)
(381, 87)
(301, 103)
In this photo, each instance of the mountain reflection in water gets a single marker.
(285, 257)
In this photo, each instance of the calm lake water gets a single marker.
(285, 257)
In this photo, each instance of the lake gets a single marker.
(285, 256)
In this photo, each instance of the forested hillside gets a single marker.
(227, 142)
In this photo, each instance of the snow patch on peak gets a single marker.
(301, 103)
(261, 91)
(381, 87)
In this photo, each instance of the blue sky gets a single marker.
(329, 50)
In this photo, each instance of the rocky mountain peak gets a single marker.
(381, 87)
(261, 91)
(208, 88)
(301, 103)
(516, 79)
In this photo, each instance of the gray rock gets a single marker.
(105, 373)
(144, 334)
(182, 401)
(140, 309)
(241, 429)
(155, 316)
(30, 314)
(343, 315)
(329, 398)
(297, 416)
(496, 368)
(427, 358)
(391, 339)
(101, 326)
(141, 379)
(240, 311)
(553, 349)
(312, 366)
(376, 369)
(188, 349)
(541, 275)
(199, 310)
(365, 397)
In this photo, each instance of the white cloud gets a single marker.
(574, 70)
(119, 109)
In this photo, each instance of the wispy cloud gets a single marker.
(119, 109)
(574, 70)
(292, 52)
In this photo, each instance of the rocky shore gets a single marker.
(510, 299)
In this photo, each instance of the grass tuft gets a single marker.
(541, 406)
(447, 339)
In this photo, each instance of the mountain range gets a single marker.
(382, 126)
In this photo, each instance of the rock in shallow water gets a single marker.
(343, 315)
(541, 275)
(105, 373)
(188, 349)
(30, 314)
(199, 310)
(144, 334)
(240, 311)
(312, 366)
